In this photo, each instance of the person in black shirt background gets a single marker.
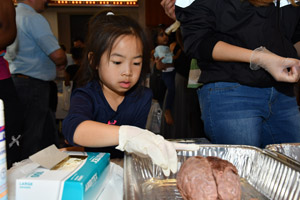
(248, 55)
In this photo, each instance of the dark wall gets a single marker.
(155, 14)
(78, 26)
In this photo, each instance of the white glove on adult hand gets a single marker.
(145, 143)
(282, 69)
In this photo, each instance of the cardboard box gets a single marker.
(76, 175)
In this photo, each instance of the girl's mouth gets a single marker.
(125, 84)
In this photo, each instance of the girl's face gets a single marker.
(162, 38)
(121, 70)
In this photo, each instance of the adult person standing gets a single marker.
(33, 59)
(71, 70)
(8, 93)
(247, 53)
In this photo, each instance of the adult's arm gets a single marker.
(59, 58)
(201, 40)
(297, 46)
(8, 30)
(281, 68)
(40, 30)
(223, 51)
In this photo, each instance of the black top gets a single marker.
(72, 70)
(237, 22)
(182, 63)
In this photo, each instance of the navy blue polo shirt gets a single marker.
(89, 103)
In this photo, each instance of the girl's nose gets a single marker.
(127, 71)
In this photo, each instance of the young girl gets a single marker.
(163, 53)
(110, 107)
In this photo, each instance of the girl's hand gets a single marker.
(159, 64)
(145, 143)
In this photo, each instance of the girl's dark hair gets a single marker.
(155, 31)
(103, 30)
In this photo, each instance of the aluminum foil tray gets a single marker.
(291, 150)
(263, 174)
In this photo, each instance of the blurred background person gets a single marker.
(163, 53)
(186, 111)
(248, 75)
(33, 59)
(78, 42)
(71, 70)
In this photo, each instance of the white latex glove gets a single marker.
(282, 69)
(145, 143)
(185, 147)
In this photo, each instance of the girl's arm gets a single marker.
(128, 138)
(172, 47)
(96, 134)
(177, 54)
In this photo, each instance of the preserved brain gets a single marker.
(209, 178)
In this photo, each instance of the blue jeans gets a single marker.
(237, 114)
(169, 80)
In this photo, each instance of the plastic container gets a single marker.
(3, 168)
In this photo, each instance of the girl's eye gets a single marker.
(116, 62)
(137, 63)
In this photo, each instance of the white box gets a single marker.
(79, 176)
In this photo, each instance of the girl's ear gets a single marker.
(90, 57)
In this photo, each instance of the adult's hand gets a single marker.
(169, 7)
(281, 68)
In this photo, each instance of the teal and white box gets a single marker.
(80, 175)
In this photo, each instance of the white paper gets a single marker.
(48, 157)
